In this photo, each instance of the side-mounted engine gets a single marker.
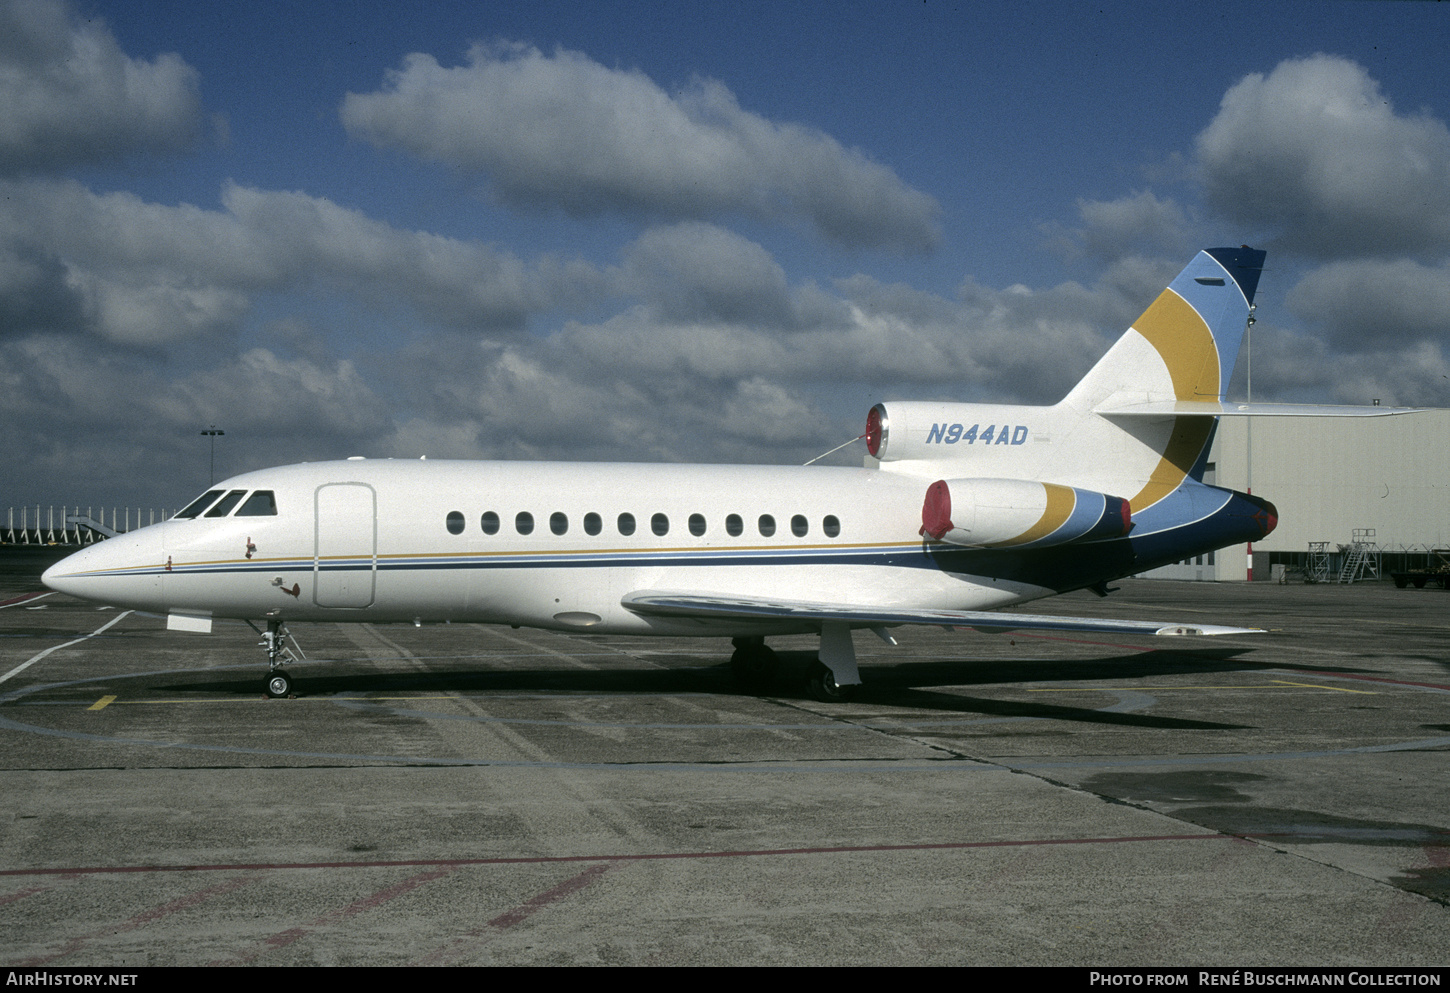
(1020, 513)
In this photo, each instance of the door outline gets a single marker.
(351, 533)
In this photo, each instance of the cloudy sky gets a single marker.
(676, 231)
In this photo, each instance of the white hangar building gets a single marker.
(1387, 478)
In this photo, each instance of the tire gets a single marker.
(754, 668)
(821, 686)
(278, 684)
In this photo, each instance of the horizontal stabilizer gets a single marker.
(1215, 408)
(708, 607)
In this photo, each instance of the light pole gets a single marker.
(1249, 427)
(212, 433)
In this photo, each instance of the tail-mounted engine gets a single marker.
(937, 430)
(994, 513)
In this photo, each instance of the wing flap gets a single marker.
(705, 606)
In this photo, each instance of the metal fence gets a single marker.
(37, 525)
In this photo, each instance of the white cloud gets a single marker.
(696, 271)
(148, 274)
(106, 421)
(1316, 152)
(69, 95)
(564, 131)
(157, 313)
(1113, 229)
(1368, 305)
(1294, 366)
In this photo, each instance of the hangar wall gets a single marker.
(1328, 476)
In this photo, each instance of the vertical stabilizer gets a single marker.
(1185, 344)
(1183, 348)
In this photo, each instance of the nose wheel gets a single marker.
(278, 682)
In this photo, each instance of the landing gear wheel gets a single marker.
(279, 684)
(753, 666)
(822, 687)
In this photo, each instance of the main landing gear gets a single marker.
(753, 665)
(278, 682)
(833, 678)
(822, 687)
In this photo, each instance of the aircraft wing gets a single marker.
(706, 606)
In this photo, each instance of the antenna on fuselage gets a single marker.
(835, 450)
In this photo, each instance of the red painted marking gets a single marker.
(12, 897)
(1373, 679)
(462, 945)
(284, 938)
(1085, 641)
(22, 598)
(524, 911)
(140, 920)
(539, 859)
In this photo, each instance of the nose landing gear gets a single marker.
(279, 682)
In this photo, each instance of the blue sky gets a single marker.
(709, 232)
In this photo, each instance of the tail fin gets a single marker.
(1136, 427)
(1185, 344)
(1173, 366)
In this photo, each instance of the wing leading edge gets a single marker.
(704, 606)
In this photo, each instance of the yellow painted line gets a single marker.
(1317, 686)
(106, 701)
(1110, 689)
(235, 699)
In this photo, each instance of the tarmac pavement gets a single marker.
(461, 794)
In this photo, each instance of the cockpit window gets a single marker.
(225, 505)
(200, 503)
(259, 504)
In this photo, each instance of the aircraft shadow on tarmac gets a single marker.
(911, 685)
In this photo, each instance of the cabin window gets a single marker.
(593, 524)
(660, 524)
(626, 524)
(558, 522)
(455, 522)
(831, 526)
(524, 522)
(767, 525)
(260, 504)
(200, 503)
(225, 505)
(734, 526)
(489, 522)
(799, 526)
(697, 524)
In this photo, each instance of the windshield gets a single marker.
(200, 503)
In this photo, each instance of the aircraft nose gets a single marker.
(123, 570)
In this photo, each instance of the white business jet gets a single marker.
(961, 509)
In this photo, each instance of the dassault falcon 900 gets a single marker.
(960, 510)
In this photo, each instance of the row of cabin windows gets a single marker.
(658, 523)
(261, 503)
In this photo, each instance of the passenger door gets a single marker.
(345, 563)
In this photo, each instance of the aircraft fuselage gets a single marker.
(557, 545)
